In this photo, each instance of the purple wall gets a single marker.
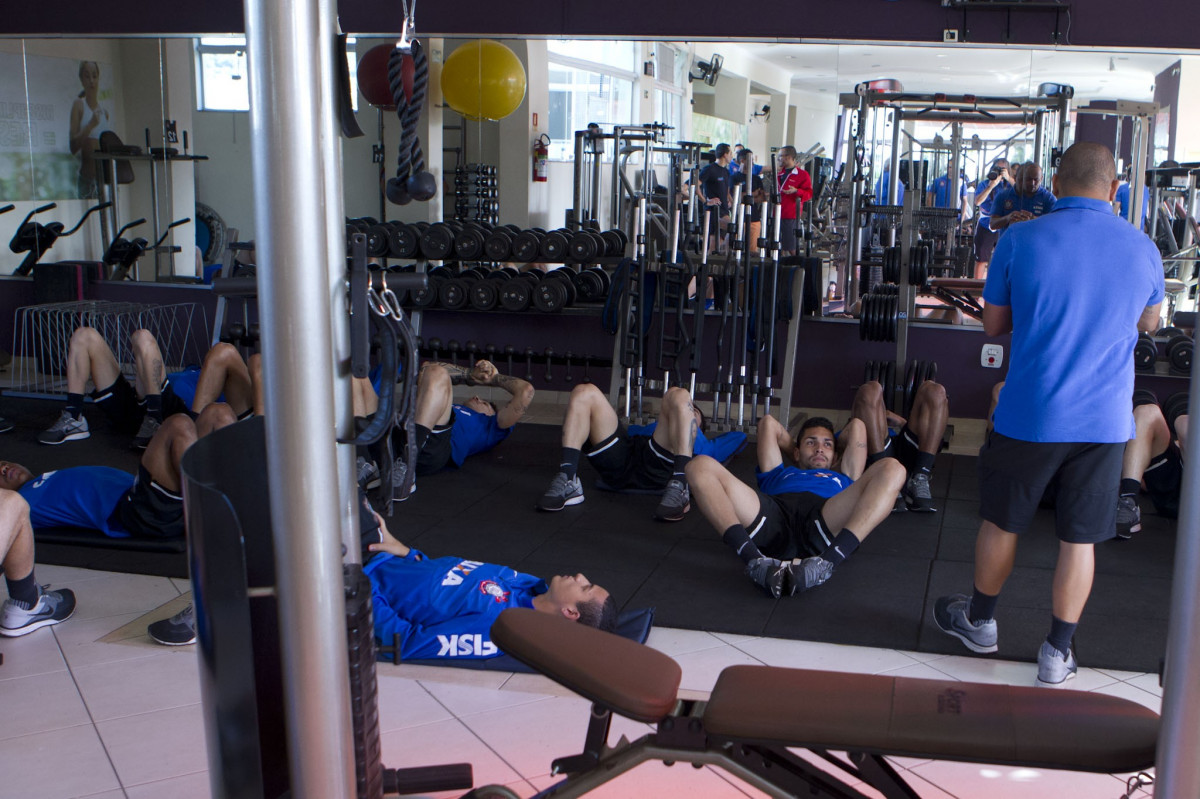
(1106, 23)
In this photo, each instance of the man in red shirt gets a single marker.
(795, 188)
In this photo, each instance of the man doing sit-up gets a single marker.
(29, 606)
(650, 457)
(785, 531)
(1153, 457)
(139, 409)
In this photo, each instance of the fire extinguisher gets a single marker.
(541, 152)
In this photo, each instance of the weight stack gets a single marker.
(364, 688)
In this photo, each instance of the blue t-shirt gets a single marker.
(784, 479)
(721, 448)
(1077, 280)
(941, 191)
(1007, 200)
(183, 384)
(881, 190)
(444, 607)
(82, 496)
(985, 208)
(474, 433)
(1123, 194)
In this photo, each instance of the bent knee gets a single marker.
(586, 392)
(222, 352)
(700, 465)
(215, 415)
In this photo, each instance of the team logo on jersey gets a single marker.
(834, 476)
(494, 590)
(1008, 204)
(455, 575)
(41, 481)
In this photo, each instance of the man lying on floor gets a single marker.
(118, 504)
(29, 606)
(445, 607)
(783, 532)
(139, 408)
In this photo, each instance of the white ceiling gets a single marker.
(961, 69)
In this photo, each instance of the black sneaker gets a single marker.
(146, 432)
(21, 618)
(67, 428)
(676, 502)
(1129, 517)
(179, 630)
(368, 473)
(769, 574)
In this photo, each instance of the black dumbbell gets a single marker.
(555, 291)
(468, 242)
(452, 346)
(471, 348)
(593, 284)
(517, 292)
(527, 245)
(403, 240)
(1145, 353)
(567, 357)
(615, 242)
(555, 245)
(549, 363)
(498, 244)
(435, 346)
(1179, 354)
(455, 292)
(508, 354)
(427, 295)
(437, 241)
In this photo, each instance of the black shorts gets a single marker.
(150, 511)
(1014, 474)
(435, 455)
(631, 462)
(119, 402)
(790, 525)
(985, 242)
(787, 234)
(1163, 478)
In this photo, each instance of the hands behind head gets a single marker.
(484, 372)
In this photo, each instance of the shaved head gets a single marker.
(1087, 169)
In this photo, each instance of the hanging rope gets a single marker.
(412, 181)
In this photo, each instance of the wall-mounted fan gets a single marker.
(707, 71)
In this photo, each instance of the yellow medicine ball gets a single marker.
(483, 79)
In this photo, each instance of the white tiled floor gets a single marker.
(82, 717)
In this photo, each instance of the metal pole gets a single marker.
(1039, 134)
(291, 105)
(1177, 771)
(577, 189)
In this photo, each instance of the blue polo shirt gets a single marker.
(1077, 280)
(1007, 200)
(985, 208)
(941, 191)
(1123, 195)
(881, 190)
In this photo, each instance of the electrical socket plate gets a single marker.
(992, 356)
(950, 35)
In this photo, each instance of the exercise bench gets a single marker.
(755, 714)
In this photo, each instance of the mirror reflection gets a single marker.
(158, 130)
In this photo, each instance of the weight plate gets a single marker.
(553, 247)
(549, 296)
(583, 247)
(515, 294)
(498, 245)
(526, 246)
(402, 241)
(484, 295)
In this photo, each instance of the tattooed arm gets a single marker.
(459, 375)
(522, 394)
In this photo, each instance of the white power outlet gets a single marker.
(950, 35)
(992, 356)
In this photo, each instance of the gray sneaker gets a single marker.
(769, 574)
(676, 502)
(399, 471)
(179, 630)
(146, 432)
(950, 615)
(563, 491)
(52, 607)
(67, 428)
(917, 496)
(1129, 517)
(808, 573)
(367, 473)
(1055, 668)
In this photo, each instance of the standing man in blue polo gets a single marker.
(1026, 199)
(997, 180)
(1071, 338)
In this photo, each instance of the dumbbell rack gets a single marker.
(42, 338)
(476, 194)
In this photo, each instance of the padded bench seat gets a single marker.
(756, 714)
(941, 719)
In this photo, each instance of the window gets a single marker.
(221, 73)
(669, 82)
(589, 82)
